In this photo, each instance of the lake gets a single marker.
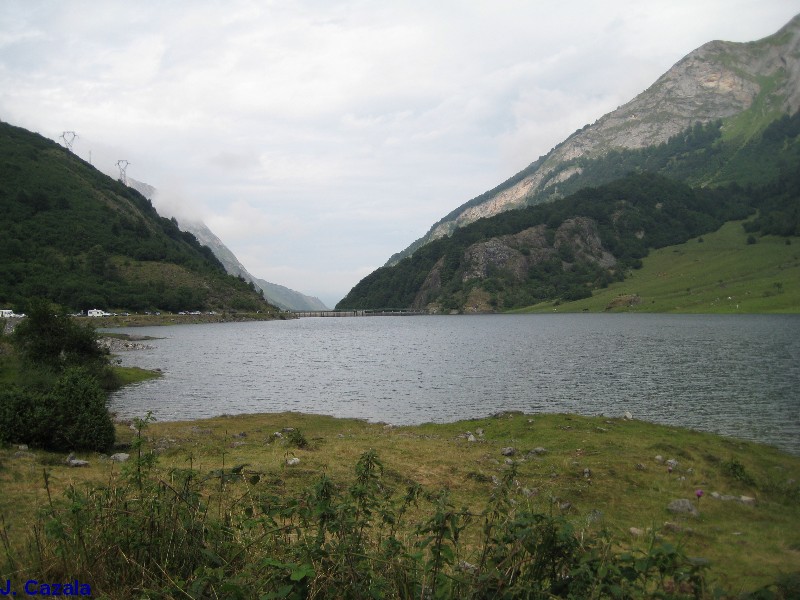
(734, 375)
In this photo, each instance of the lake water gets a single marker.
(734, 375)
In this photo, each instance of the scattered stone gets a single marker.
(636, 532)
(682, 506)
(495, 480)
(287, 429)
(640, 467)
(471, 438)
(566, 505)
(22, 447)
(749, 501)
(628, 416)
(479, 431)
(673, 463)
(673, 527)
(467, 567)
(659, 459)
(119, 457)
(587, 472)
(76, 462)
(277, 434)
(601, 429)
(595, 516)
(509, 461)
(291, 462)
(538, 451)
(508, 451)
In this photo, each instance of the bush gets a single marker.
(71, 416)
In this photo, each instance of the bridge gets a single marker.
(369, 312)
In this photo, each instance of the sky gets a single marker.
(317, 138)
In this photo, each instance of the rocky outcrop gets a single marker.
(515, 255)
(717, 81)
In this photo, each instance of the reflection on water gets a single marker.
(735, 375)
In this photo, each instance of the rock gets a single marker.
(24, 454)
(119, 457)
(471, 438)
(640, 467)
(673, 463)
(467, 567)
(22, 447)
(566, 505)
(587, 472)
(479, 432)
(239, 435)
(749, 501)
(659, 458)
(682, 506)
(509, 461)
(628, 416)
(291, 462)
(508, 451)
(538, 451)
(636, 532)
(595, 516)
(75, 462)
(496, 480)
(715, 495)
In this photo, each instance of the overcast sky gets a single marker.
(317, 138)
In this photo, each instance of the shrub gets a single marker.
(71, 416)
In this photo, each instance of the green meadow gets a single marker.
(717, 273)
(272, 493)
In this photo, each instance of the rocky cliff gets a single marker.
(744, 84)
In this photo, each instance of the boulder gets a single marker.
(119, 457)
(508, 451)
(682, 506)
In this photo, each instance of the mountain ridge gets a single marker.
(279, 295)
(81, 239)
(747, 84)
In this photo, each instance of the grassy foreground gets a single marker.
(589, 473)
(717, 273)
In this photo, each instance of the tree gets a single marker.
(49, 338)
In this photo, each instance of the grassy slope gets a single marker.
(723, 274)
(749, 545)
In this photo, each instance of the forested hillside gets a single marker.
(79, 238)
(566, 248)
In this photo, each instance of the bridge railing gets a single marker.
(369, 312)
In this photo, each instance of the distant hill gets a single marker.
(279, 295)
(694, 119)
(83, 240)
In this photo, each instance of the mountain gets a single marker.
(565, 249)
(280, 296)
(81, 239)
(734, 89)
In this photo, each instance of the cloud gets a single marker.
(339, 131)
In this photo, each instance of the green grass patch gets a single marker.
(257, 518)
(128, 375)
(716, 273)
